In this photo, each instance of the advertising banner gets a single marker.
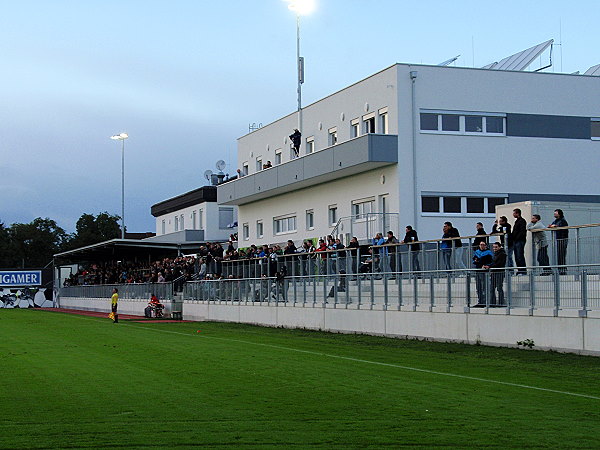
(10, 278)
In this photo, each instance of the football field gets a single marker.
(71, 381)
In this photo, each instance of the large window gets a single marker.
(225, 218)
(463, 123)
(283, 225)
(362, 209)
(458, 204)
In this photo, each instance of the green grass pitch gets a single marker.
(80, 382)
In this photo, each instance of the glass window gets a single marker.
(201, 219)
(285, 225)
(246, 232)
(333, 215)
(181, 222)
(362, 210)
(194, 215)
(474, 124)
(429, 121)
(332, 136)
(475, 205)
(164, 227)
(493, 202)
(494, 124)
(245, 168)
(225, 217)
(278, 157)
(370, 125)
(383, 123)
(354, 129)
(310, 219)
(310, 145)
(595, 129)
(259, 229)
(452, 204)
(450, 122)
(430, 204)
(259, 164)
(176, 223)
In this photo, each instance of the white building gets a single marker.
(419, 145)
(194, 216)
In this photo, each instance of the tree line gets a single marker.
(33, 244)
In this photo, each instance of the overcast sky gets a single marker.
(185, 78)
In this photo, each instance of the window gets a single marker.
(354, 128)
(369, 124)
(464, 123)
(284, 225)
(332, 136)
(450, 122)
(277, 157)
(259, 164)
(493, 202)
(194, 220)
(259, 229)
(361, 210)
(429, 121)
(310, 219)
(164, 227)
(332, 214)
(310, 144)
(176, 223)
(452, 205)
(595, 129)
(474, 124)
(430, 204)
(225, 217)
(181, 222)
(245, 169)
(383, 121)
(201, 219)
(475, 205)
(246, 232)
(457, 204)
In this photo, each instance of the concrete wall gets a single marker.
(563, 333)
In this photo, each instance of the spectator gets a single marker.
(446, 245)
(354, 246)
(377, 240)
(518, 238)
(505, 239)
(482, 257)
(296, 138)
(479, 232)
(497, 274)
(540, 242)
(562, 239)
(393, 255)
(414, 248)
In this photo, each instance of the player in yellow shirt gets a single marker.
(114, 301)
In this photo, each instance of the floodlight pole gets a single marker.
(122, 188)
(300, 64)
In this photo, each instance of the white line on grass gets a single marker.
(378, 363)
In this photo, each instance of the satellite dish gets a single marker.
(220, 165)
(207, 174)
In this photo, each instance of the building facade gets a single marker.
(419, 145)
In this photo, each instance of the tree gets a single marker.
(92, 229)
(5, 257)
(34, 244)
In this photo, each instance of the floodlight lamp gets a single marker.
(301, 7)
(119, 137)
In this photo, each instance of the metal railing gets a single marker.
(366, 225)
(164, 291)
(555, 288)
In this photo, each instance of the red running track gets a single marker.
(105, 315)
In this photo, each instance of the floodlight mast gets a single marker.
(301, 8)
(121, 137)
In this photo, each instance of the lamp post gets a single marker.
(121, 137)
(301, 8)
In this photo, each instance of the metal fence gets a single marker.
(164, 291)
(556, 288)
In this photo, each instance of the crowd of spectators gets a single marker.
(211, 258)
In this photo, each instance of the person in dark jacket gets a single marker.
(296, 138)
(480, 232)
(518, 238)
(411, 239)
(497, 273)
(505, 239)
(355, 246)
(392, 254)
(482, 257)
(562, 238)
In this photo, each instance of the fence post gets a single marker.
(556, 279)
(531, 291)
(584, 294)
